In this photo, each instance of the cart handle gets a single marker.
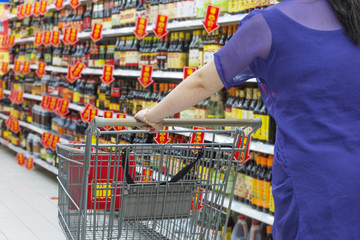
(99, 122)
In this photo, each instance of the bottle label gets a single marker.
(244, 114)
(248, 193)
(115, 92)
(123, 59)
(200, 12)
(194, 57)
(242, 185)
(265, 127)
(266, 195)
(209, 51)
(271, 201)
(260, 192)
(179, 60)
(254, 192)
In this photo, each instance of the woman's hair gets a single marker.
(348, 13)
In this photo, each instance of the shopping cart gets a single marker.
(146, 190)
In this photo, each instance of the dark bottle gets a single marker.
(269, 233)
(261, 183)
(87, 18)
(140, 9)
(246, 105)
(267, 183)
(248, 179)
(82, 92)
(223, 37)
(115, 96)
(254, 182)
(258, 134)
(110, 53)
(115, 15)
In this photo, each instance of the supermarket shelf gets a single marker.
(246, 210)
(32, 127)
(122, 73)
(38, 161)
(50, 8)
(173, 26)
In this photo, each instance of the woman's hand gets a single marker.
(154, 127)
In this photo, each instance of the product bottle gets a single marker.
(257, 135)
(241, 229)
(271, 198)
(267, 182)
(254, 233)
(261, 184)
(248, 180)
(269, 233)
(254, 181)
(246, 105)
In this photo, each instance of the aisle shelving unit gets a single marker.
(38, 161)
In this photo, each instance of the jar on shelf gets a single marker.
(28, 85)
(36, 146)
(36, 89)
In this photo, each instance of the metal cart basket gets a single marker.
(120, 185)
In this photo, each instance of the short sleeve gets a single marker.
(243, 57)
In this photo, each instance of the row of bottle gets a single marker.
(29, 141)
(122, 13)
(171, 53)
(253, 184)
(247, 229)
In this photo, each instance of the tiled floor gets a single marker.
(27, 211)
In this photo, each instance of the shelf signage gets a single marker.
(55, 38)
(17, 66)
(21, 159)
(76, 72)
(20, 11)
(74, 3)
(197, 137)
(237, 155)
(52, 104)
(38, 38)
(108, 114)
(73, 36)
(140, 28)
(36, 9)
(162, 138)
(43, 7)
(55, 140)
(96, 32)
(11, 41)
(45, 102)
(107, 77)
(13, 124)
(120, 115)
(69, 75)
(160, 29)
(59, 4)
(211, 18)
(188, 71)
(19, 97)
(29, 163)
(86, 112)
(46, 38)
(41, 69)
(147, 175)
(1, 93)
(93, 112)
(44, 139)
(4, 67)
(62, 108)
(66, 35)
(145, 77)
(28, 10)
(26, 67)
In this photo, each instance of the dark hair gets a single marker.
(348, 13)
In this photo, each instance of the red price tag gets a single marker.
(120, 115)
(38, 38)
(145, 78)
(44, 138)
(55, 140)
(45, 102)
(64, 107)
(74, 3)
(162, 138)
(15, 125)
(11, 41)
(65, 38)
(52, 104)
(21, 159)
(188, 71)
(4, 42)
(59, 4)
(85, 113)
(46, 38)
(19, 97)
(9, 121)
(76, 72)
(49, 140)
(147, 175)
(36, 9)
(41, 69)
(237, 155)
(93, 112)
(73, 36)
(160, 29)
(96, 32)
(28, 9)
(211, 18)
(12, 94)
(108, 114)
(43, 7)
(1, 93)
(26, 67)
(55, 38)
(107, 77)
(17, 66)
(69, 75)
(4, 67)
(29, 163)
(197, 137)
(20, 11)
(140, 27)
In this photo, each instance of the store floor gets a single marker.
(27, 210)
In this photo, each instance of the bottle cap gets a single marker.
(241, 217)
(255, 223)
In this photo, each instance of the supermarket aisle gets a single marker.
(27, 211)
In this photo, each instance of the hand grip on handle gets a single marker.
(99, 122)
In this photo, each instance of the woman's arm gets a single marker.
(198, 86)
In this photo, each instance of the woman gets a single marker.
(305, 55)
